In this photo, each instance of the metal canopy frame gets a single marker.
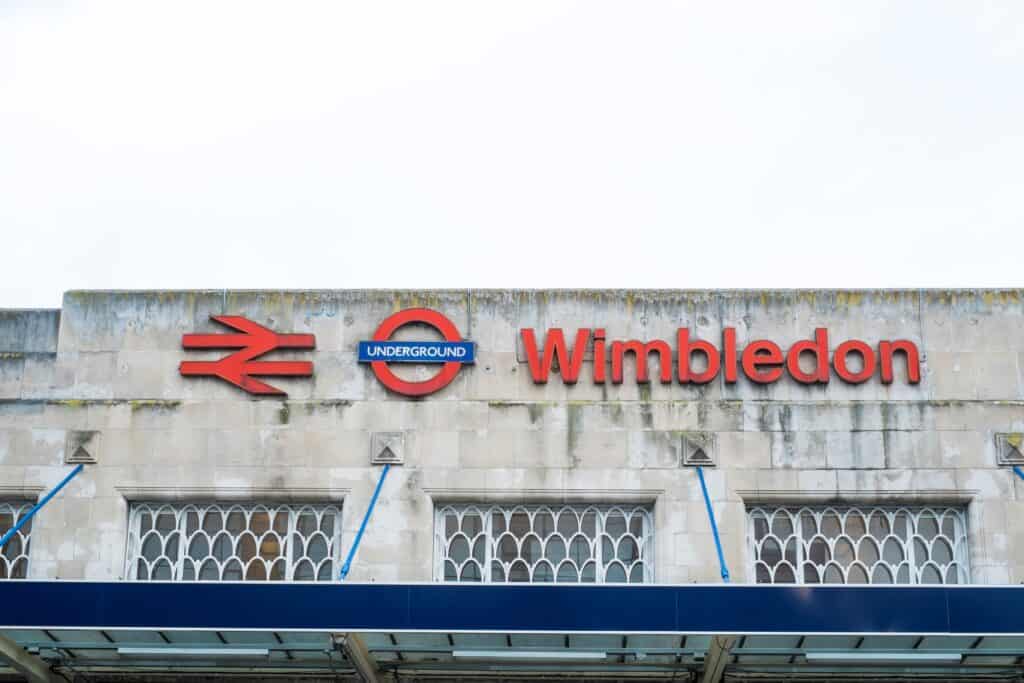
(373, 655)
(438, 630)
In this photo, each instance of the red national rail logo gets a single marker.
(239, 368)
(762, 361)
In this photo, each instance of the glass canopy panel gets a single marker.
(375, 641)
(997, 643)
(766, 643)
(424, 647)
(655, 656)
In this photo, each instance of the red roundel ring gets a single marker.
(425, 316)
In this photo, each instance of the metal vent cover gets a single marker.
(1010, 448)
(387, 448)
(82, 447)
(699, 449)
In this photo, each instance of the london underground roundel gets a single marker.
(451, 354)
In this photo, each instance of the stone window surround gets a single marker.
(205, 494)
(440, 497)
(962, 497)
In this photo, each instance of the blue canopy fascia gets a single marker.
(718, 609)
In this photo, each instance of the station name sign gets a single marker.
(761, 361)
(690, 361)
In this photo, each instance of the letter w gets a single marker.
(554, 345)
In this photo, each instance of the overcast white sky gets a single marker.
(514, 144)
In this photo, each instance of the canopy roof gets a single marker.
(646, 632)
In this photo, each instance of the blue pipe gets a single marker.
(714, 526)
(1019, 471)
(362, 527)
(46, 499)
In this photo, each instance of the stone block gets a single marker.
(744, 450)
(235, 447)
(965, 450)
(775, 482)
(600, 449)
(44, 378)
(926, 480)
(991, 483)
(547, 449)
(909, 415)
(158, 414)
(70, 570)
(740, 482)
(974, 376)
(911, 449)
(340, 448)
(865, 484)
(653, 449)
(506, 416)
(12, 368)
(46, 446)
(95, 374)
(855, 450)
(474, 451)
(29, 331)
(284, 447)
(990, 575)
(799, 450)
(817, 482)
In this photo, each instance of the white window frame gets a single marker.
(959, 547)
(17, 509)
(645, 543)
(225, 508)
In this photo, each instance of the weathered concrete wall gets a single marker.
(495, 435)
(28, 348)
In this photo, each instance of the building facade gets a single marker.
(854, 437)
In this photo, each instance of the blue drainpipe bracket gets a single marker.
(39, 506)
(362, 527)
(714, 525)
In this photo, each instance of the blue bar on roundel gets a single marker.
(417, 352)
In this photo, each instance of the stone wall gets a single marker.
(493, 434)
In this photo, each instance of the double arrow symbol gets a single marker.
(240, 367)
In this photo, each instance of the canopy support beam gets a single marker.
(717, 658)
(359, 655)
(28, 665)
